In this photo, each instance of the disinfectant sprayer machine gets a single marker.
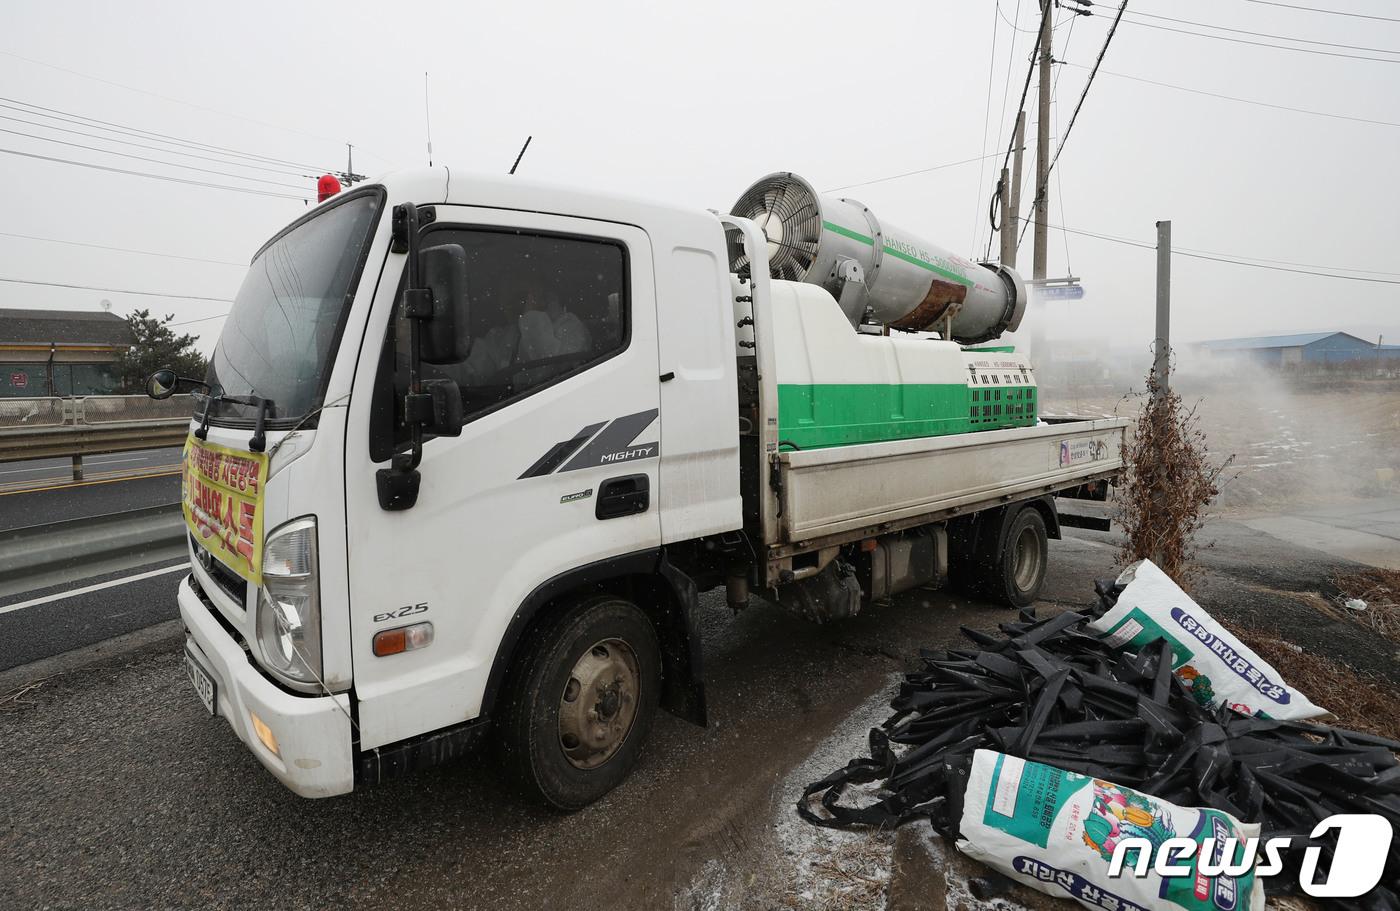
(848, 280)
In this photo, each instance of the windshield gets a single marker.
(278, 342)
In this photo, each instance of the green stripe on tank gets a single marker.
(898, 254)
(847, 232)
(838, 414)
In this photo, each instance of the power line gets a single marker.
(1006, 85)
(128, 130)
(168, 164)
(1241, 31)
(1277, 47)
(78, 243)
(986, 126)
(1041, 191)
(140, 145)
(202, 319)
(1021, 105)
(1230, 260)
(1330, 12)
(194, 183)
(937, 167)
(1262, 104)
(193, 297)
(167, 98)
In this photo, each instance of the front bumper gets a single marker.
(315, 753)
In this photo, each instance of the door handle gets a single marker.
(624, 496)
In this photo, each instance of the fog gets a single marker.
(1295, 438)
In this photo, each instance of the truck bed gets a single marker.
(828, 495)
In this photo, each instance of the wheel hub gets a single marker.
(1027, 559)
(599, 703)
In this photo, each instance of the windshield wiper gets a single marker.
(258, 441)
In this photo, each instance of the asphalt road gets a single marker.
(120, 791)
(86, 609)
(49, 621)
(26, 501)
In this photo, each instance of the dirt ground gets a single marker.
(121, 793)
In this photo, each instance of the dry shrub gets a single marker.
(1168, 481)
(1380, 589)
(1360, 702)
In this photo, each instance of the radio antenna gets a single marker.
(522, 154)
(428, 119)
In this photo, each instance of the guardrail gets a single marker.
(46, 428)
(49, 554)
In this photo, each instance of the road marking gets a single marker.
(110, 583)
(123, 476)
(64, 466)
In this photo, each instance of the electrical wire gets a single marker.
(128, 130)
(937, 167)
(140, 145)
(188, 104)
(1330, 12)
(1021, 105)
(1041, 191)
(1024, 31)
(1262, 104)
(1277, 47)
(78, 243)
(168, 164)
(1231, 260)
(194, 183)
(1241, 31)
(193, 297)
(202, 319)
(986, 127)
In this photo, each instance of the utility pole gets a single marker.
(1011, 208)
(1161, 360)
(1042, 147)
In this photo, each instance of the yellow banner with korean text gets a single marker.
(221, 493)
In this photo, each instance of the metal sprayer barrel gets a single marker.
(897, 279)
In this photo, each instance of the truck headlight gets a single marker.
(289, 602)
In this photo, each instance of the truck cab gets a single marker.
(473, 446)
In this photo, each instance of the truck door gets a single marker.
(556, 466)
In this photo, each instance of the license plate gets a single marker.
(203, 681)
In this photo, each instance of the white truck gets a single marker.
(471, 448)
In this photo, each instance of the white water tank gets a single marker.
(878, 272)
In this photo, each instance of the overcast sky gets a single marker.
(690, 104)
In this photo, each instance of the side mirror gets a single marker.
(445, 337)
(161, 384)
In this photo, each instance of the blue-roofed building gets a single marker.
(1308, 348)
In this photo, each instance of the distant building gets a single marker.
(60, 352)
(1310, 348)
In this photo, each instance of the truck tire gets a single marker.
(1016, 575)
(581, 706)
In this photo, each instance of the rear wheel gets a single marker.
(582, 704)
(1016, 575)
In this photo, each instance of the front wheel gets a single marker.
(582, 704)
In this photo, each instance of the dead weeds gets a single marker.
(1360, 702)
(851, 876)
(1168, 482)
(1380, 589)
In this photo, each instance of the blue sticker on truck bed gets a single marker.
(612, 445)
